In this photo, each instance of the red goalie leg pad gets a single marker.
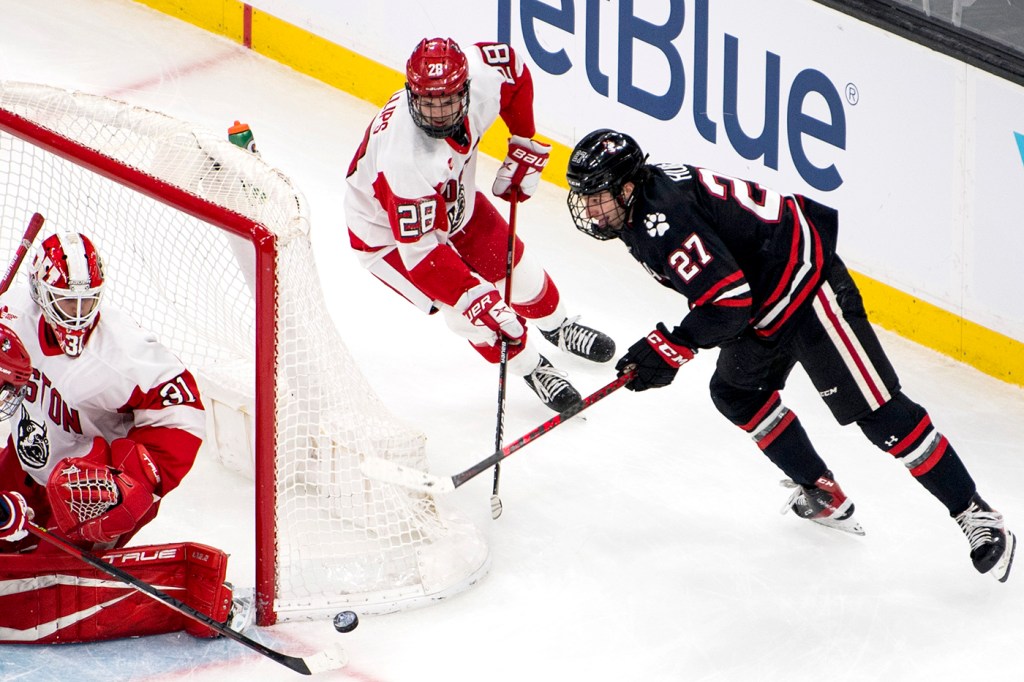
(46, 598)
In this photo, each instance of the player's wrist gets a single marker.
(672, 350)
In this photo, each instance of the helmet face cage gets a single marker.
(15, 371)
(11, 398)
(437, 84)
(598, 215)
(600, 164)
(67, 283)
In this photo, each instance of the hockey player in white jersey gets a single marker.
(105, 421)
(418, 223)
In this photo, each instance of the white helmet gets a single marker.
(66, 281)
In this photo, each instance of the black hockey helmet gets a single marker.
(603, 160)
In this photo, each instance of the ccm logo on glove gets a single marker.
(672, 353)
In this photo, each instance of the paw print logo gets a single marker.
(656, 224)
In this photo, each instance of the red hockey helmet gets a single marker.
(15, 371)
(66, 281)
(437, 83)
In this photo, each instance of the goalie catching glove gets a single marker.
(14, 512)
(521, 169)
(657, 357)
(483, 306)
(98, 502)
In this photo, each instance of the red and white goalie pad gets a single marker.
(48, 598)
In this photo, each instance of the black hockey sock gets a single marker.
(778, 432)
(903, 428)
(948, 480)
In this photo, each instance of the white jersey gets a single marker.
(124, 382)
(410, 192)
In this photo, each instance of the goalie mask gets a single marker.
(600, 164)
(15, 371)
(66, 281)
(437, 83)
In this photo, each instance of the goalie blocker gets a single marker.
(47, 598)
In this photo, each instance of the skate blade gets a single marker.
(1001, 571)
(847, 525)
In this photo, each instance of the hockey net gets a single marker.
(208, 247)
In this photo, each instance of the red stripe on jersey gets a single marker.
(773, 402)
(809, 284)
(858, 360)
(927, 465)
(179, 390)
(359, 245)
(172, 450)
(785, 281)
(777, 431)
(735, 302)
(726, 281)
(911, 438)
(410, 218)
(516, 107)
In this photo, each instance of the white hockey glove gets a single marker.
(14, 513)
(521, 169)
(483, 306)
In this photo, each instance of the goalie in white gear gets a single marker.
(105, 421)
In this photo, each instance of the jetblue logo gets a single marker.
(583, 18)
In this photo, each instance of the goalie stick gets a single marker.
(391, 472)
(329, 659)
(31, 232)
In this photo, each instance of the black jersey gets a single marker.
(743, 255)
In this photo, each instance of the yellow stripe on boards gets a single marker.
(223, 17)
(948, 333)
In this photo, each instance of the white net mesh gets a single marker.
(188, 272)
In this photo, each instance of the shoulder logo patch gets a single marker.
(656, 224)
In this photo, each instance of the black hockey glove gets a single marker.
(657, 357)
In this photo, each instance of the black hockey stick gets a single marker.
(34, 225)
(496, 507)
(390, 472)
(328, 659)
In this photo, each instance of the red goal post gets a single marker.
(208, 247)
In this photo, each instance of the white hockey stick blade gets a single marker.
(407, 477)
(331, 658)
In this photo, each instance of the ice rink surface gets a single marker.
(641, 544)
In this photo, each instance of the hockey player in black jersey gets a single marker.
(765, 286)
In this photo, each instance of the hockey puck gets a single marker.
(346, 621)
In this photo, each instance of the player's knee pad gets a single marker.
(891, 424)
(738, 404)
(534, 294)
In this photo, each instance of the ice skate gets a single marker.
(825, 503)
(575, 338)
(552, 387)
(992, 545)
(243, 610)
